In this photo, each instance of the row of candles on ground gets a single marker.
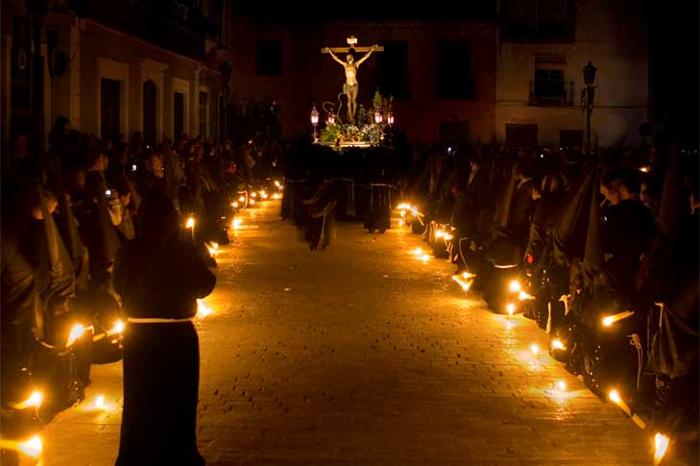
(33, 446)
(465, 280)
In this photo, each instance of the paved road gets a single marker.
(362, 355)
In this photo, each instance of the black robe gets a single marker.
(160, 279)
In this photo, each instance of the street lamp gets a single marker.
(587, 99)
(314, 120)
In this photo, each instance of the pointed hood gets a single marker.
(569, 233)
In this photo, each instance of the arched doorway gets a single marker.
(150, 96)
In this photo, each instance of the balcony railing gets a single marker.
(551, 93)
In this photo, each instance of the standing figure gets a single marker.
(350, 86)
(160, 277)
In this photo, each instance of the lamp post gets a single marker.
(587, 99)
(314, 120)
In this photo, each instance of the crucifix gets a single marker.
(351, 66)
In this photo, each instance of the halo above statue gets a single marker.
(353, 126)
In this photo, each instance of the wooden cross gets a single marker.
(352, 42)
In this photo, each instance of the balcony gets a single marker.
(551, 93)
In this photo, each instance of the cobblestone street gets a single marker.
(363, 355)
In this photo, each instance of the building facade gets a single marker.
(544, 46)
(115, 68)
(512, 73)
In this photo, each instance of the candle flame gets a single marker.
(237, 223)
(661, 443)
(33, 401)
(241, 199)
(119, 326)
(252, 201)
(234, 204)
(510, 309)
(418, 252)
(524, 296)
(614, 396)
(278, 184)
(425, 258)
(534, 349)
(253, 194)
(32, 447)
(514, 286)
(203, 310)
(190, 222)
(465, 280)
(558, 345)
(276, 196)
(561, 385)
(609, 320)
(75, 333)
(100, 402)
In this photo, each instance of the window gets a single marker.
(571, 138)
(539, 19)
(110, 112)
(203, 114)
(454, 70)
(179, 114)
(392, 70)
(521, 135)
(269, 58)
(549, 86)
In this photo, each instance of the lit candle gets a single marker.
(661, 443)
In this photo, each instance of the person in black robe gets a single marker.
(626, 231)
(160, 276)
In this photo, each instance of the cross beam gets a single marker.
(351, 49)
(352, 42)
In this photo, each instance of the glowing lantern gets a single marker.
(100, 402)
(524, 296)
(190, 222)
(378, 117)
(425, 258)
(390, 118)
(510, 309)
(534, 349)
(241, 198)
(237, 223)
(252, 202)
(234, 204)
(561, 386)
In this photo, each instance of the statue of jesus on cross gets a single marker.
(351, 66)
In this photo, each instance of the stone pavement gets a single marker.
(362, 355)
